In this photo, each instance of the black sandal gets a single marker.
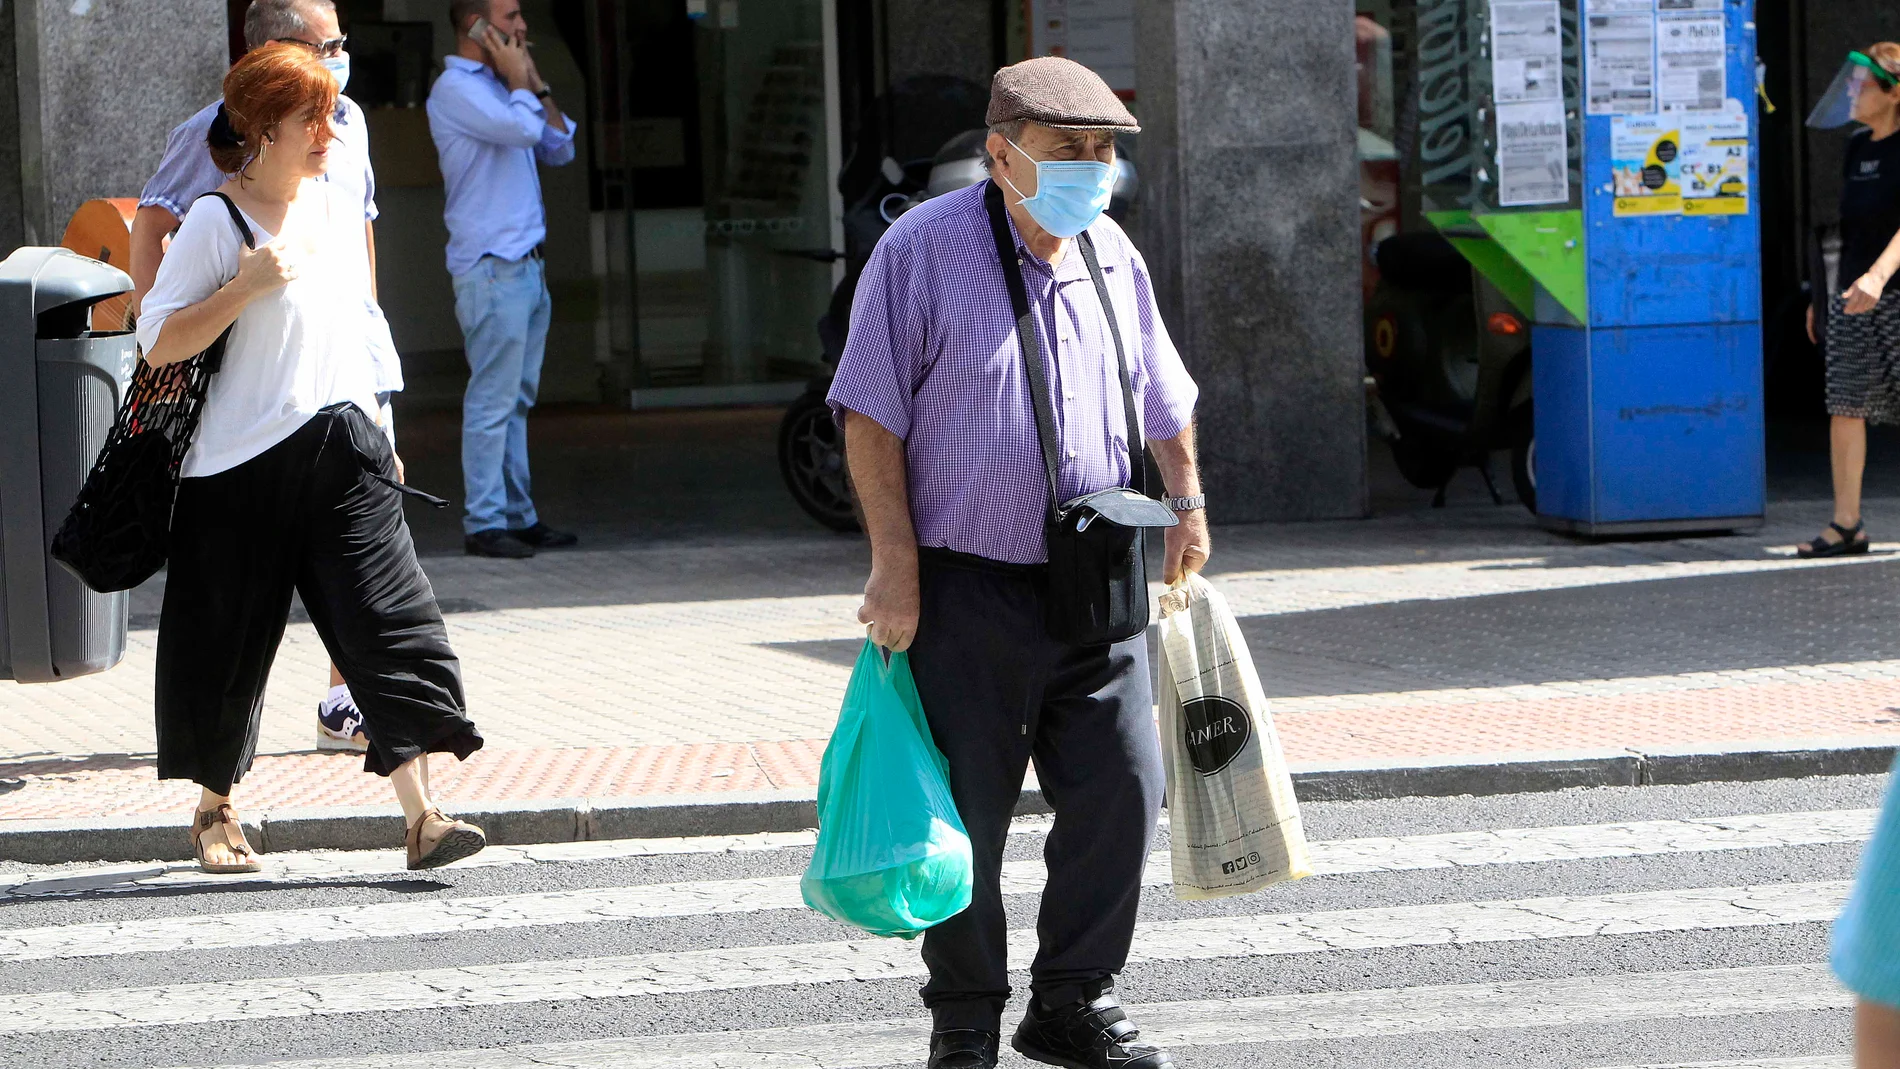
(1852, 542)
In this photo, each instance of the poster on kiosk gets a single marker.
(1622, 181)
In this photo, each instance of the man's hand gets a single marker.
(1188, 546)
(1812, 340)
(891, 600)
(511, 60)
(401, 477)
(1864, 293)
(891, 604)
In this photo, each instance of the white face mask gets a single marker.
(339, 68)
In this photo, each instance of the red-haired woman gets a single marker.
(289, 485)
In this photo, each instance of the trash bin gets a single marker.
(60, 386)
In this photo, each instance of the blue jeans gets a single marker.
(503, 307)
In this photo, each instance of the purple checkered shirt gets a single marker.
(933, 358)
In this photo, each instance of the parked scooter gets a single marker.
(1448, 361)
(810, 446)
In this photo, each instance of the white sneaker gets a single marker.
(340, 722)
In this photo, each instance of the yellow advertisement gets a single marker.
(1646, 164)
(1715, 163)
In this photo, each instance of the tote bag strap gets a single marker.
(214, 353)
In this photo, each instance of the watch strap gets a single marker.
(1185, 504)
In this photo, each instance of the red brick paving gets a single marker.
(1714, 718)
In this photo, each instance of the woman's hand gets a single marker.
(265, 269)
(1864, 293)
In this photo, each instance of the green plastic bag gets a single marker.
(892, 857)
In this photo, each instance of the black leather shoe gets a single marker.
(1091, 1034)
(496, 542)
(541, 536)
(962, 1048)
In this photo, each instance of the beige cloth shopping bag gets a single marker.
(1234, 825)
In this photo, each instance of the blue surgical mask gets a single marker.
(339, 68)
(1070, 194)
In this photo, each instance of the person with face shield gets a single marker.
(188, 172)
(1863, 321)
(1006, 353)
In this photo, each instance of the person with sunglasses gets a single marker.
(187, 173)
(1863, 320)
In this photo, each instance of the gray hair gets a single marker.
(1012, 130)
(274, 20)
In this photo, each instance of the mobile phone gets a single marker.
(478, 30)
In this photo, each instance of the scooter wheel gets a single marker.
(811, 461)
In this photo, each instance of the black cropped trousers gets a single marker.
(317, 514)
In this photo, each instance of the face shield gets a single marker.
(1836, 106)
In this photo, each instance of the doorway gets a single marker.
(715, 139)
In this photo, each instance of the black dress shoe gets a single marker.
(496, 542)
(962, 1048)
(1090, 1034)
(541, 536)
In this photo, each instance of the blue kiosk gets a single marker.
(1625, 188)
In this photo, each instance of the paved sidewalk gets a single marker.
(717, 666)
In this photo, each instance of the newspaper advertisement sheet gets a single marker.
(1527, 86)
(1715, 162)
(1646, 165)
(1691, 56)
(1620, 57)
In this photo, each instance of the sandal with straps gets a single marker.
(461, 840)
(225, 819)
(1852, 542)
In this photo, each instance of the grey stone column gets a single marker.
(1250, 223)
(99, 84)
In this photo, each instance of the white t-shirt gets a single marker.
(293, 351)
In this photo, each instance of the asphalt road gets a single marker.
(1610, 927)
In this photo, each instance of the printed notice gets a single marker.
(1646, 164)
(1691, 59)
(1533, 166)
(1621, 57)
(1527, 87)
(1715, 162)
(1527, 52)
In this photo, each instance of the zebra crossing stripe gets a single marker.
(727, 969)
(712, 897)
(1310, 1018)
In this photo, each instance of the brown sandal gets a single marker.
(459, 841)
(226, 819)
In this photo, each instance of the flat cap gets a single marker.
(1058, 92)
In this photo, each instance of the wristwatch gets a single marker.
(1185, 504)
(544, 92)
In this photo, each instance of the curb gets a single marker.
(52, 842)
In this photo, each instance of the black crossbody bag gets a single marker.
(118, 532)
(1097, 577)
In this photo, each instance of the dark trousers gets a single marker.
(315, 514)
(998, 692)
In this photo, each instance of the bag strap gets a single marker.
(237, 218)
(1032, 353)
(213, 355)
(1137, 444)
(1026, 339)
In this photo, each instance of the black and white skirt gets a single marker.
(1863, 360)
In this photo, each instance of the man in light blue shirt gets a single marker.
(493, 118)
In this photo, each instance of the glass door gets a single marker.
(716, 153)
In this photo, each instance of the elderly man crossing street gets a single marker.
(952, 451)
